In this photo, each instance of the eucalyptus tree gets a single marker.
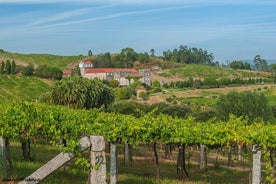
(260, 64)
(152, 52)
(250, 105)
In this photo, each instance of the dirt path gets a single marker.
(203, 92)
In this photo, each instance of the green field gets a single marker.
(14, 87)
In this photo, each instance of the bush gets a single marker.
(129, 107)
(143, 95)
(28, 70)
(124, 93)
(44, 71)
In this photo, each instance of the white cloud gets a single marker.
(61, 16)
(141, 2)
(110, 16)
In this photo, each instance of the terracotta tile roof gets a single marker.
(87, 62)
(67, 72)
(110, 70)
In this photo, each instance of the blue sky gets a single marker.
(230, 29)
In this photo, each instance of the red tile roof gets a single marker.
(87, 62)
(67, 72)
(110, 70)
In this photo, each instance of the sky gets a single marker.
(230, 29)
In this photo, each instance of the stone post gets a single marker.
(97, 160)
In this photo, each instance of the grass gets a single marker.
(14, 87)
(142, 169)
(271, 95)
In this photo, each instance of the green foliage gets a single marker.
(41, 59)
(260, 64)
(174, 110)
(44, 71)
(21, 88)
(247, 104)
(78, 92)
(125, 92)
(143, 95)
(211, 82)
(156, 84)
(143, 57)
(90, 53)
(240, 65)
(130, 107)
(202, 71)
(2, 70)
(24, 120)
(272, 67)
(13, 67)
(189, 55)
(28, 70)
(8, 67)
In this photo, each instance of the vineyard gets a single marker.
(21, 88)
(29, 122)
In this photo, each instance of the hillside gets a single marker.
(209, 96)
(203, 72)
(37, 59)
(21, 88)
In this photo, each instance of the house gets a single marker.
(125, 76)
(66, 73)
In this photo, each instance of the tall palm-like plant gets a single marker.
(77, 92)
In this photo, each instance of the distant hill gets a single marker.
(203, 72)
(38, 59)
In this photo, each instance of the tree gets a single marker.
(152, 52)
(77, 92)
(13, 67)
(126, 58)
(44, 71)
(273, 70)
(8, 67)
(240, 65)
(2, 70)
(247, 104)
(90, 53)
(28, 70)
(260, 64)
(187, 55)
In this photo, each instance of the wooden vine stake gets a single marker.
(256, 170)
(97, 160)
